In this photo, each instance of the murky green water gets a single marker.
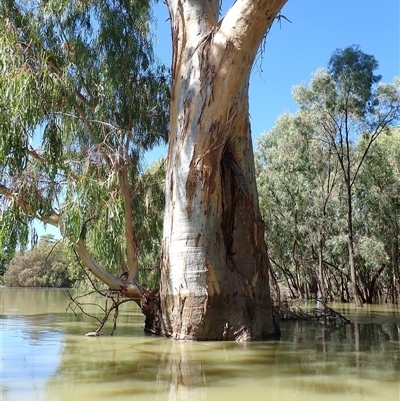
(45, 356)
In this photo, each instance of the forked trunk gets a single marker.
(214, 275)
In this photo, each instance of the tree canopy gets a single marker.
(47, 265)
(83, 97)
(316, 174)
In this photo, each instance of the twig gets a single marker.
(52, 249)
(79, 306)
(332, 311)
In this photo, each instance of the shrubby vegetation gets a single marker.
(47, 265)
(328, 179)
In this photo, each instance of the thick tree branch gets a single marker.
(129, 289)
(98, 271)
(193, 17)
(131, 240)
(247, 21)
(91, 105)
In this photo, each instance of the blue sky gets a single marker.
(295, 50)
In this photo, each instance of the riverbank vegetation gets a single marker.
(84, 97)
(303, 199)
(328, 179)
(47, 265)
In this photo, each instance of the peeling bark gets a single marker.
(214, 270)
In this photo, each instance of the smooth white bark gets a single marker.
(214, 267)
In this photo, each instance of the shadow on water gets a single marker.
(56, 362)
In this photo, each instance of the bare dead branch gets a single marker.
(321, 313)
(74, 304)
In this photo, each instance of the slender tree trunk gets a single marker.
(321, 270)
(395, 270)
(130, 235)
(355, 290)
(214, 275)
(298, 283)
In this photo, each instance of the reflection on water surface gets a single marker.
(45, 356)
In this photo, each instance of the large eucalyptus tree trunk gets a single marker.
(214, 270)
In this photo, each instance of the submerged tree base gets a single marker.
(149, 304)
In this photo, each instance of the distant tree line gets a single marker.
(47, 265)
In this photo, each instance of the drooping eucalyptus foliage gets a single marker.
(377, 218)
(82, 99)
(315, 194)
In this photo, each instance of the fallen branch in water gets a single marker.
(333, 312)
(148, 302)
(75, 304)
(298, 310)
(114, 296)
